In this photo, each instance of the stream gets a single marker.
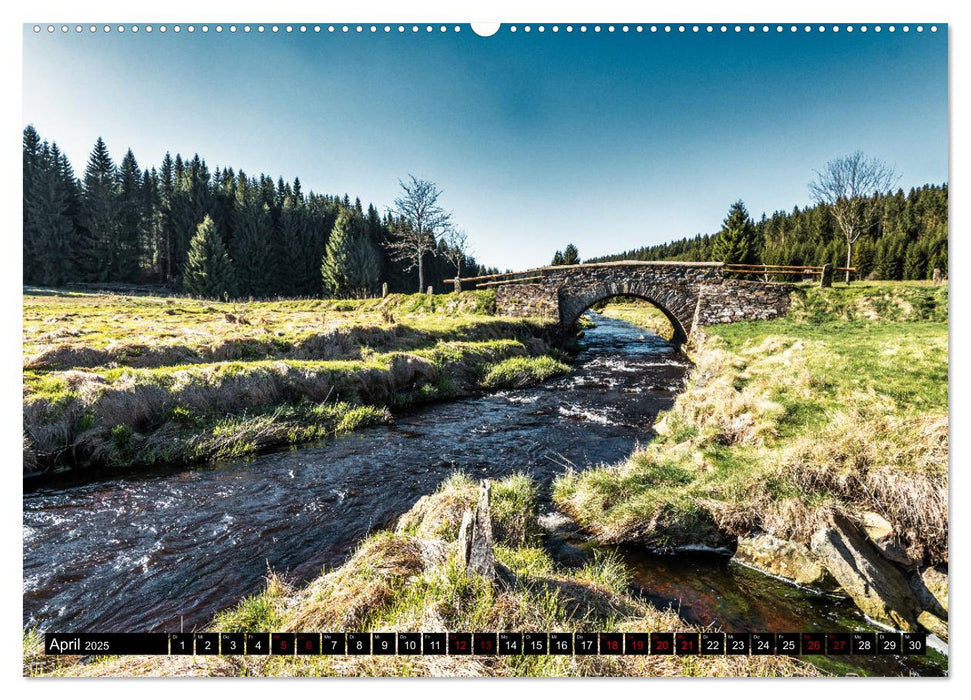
(164, 550)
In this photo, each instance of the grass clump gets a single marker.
(522, 371)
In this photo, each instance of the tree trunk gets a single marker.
(421, 273)
(849, 257)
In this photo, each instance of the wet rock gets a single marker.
(877, 587)
(556, 523)
(933, 624)
(789, 560)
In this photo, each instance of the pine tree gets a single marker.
(131, 221)
(350, 265)
(557, 258)
(571, 256)
(252, 250)
(736, 242)
(49, 233)
(296, 261)
(99, 216)
(208, 271)
(31, 151)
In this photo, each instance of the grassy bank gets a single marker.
(640, 313)
(409, 579)
(127, 381)
(840, 407)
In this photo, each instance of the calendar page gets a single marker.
(449, 349)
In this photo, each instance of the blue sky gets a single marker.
(607, 140)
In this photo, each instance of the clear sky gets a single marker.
(607, 140)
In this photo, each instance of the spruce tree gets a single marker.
(208, 271)
(252, 250)
(571, 256)
(736, 242)
(350, 266)
(557, 258)
(99, 216)
(31, 151)
(131, 221)
(49, 233)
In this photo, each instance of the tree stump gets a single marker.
(384, 289)
(431, 290)
(937, 276)
(826, 278)
(475, 537)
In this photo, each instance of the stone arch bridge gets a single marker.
(689, 294)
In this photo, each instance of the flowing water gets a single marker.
(164, 550)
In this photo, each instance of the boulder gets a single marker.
(930, 587)
(786, 559)
(882, 534)
(933, 624)
(877, 587)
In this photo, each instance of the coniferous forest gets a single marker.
(905, 239)
(218, 233)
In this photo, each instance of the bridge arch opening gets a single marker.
(670, 328)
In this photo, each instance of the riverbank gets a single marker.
(410, 578)
(813, 447)
(127, 381)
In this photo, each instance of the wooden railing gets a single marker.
(782, 270)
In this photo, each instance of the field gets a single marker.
(125, 381)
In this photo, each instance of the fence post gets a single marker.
(826, 278)
(384, 289)
(430, 291)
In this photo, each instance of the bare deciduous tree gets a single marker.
(456, 250)
(847, 185)
(423, 220)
